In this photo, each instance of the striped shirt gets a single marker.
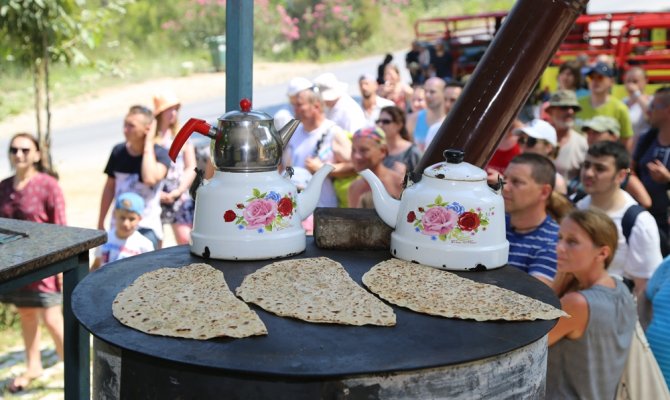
(534, 252)
(658, 292)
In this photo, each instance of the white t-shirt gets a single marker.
(303, 145)
(432, 131)
(640, 257)
(347, 114)
(373, 115)
(571, 155)
(117, 249)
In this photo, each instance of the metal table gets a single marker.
(294, 349)
(31, 251)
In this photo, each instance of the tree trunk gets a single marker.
(46, 145)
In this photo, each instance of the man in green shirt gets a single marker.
(600, 79)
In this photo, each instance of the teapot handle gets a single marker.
(192, 125)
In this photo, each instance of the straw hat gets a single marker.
(165, 100)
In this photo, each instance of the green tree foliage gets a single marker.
(38, 32)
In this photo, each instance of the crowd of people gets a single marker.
(585, 189)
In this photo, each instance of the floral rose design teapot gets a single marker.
(248, 211)
(451, 219)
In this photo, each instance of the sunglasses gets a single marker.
(15, 150)
(384, 121)
(527, 141)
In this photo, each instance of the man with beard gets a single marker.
(370, 102)
(572, 146)
(531, 232)
(638, 256)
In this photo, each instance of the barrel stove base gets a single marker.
(122, 374)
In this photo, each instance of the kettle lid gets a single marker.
(455, 169)
(245, 114)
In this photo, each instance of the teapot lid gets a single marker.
(455, 169)
(245, 114)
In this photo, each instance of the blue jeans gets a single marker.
(151, 235)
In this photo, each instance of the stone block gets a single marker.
(350, 229)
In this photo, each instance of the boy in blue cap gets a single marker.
(124, 240)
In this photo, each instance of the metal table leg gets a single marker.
(77, 349)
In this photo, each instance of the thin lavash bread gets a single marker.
(433, 291)
(193, 301)
(314, 290)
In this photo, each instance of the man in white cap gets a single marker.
(340, 107)
(539, 137)
(316, 141)
(370, 102)
(295, 86)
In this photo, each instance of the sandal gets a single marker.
(21, 383)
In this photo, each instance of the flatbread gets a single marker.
(314, 290)
(188, 302)
(436, 292)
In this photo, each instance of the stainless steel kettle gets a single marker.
(243, 141)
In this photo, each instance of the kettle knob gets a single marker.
(453, 156)
(245, 105)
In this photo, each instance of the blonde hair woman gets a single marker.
(176, 203)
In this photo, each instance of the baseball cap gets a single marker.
(130, 201)
(297, 85)
(602, 123)
(539, 129)
(564, 98)
(331, 88)
(601, 68)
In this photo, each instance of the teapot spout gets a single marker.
(309, 198)
(287, 131)
(386, 206)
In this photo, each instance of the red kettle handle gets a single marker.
(192, 125)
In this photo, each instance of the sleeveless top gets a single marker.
(590, 367)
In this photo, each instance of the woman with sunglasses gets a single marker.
(403, 154)
(33, 194)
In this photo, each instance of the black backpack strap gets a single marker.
(628, 220)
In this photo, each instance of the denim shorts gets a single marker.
(27, 298)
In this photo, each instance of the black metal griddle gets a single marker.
(297, 349)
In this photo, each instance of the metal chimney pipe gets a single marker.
(503, 80)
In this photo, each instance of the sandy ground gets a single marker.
(83, 186)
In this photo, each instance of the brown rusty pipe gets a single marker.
(503, 80)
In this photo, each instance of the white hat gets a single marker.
(331, 88)
(540, 129)
(297, 85)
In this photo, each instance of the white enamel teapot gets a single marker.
(248, 211)
(451, 219)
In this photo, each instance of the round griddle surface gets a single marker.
(298, 349)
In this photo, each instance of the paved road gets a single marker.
(89, 145)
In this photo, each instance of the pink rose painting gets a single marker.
(264, 211)
(260, 212)
(450, 221)
(439, 221)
